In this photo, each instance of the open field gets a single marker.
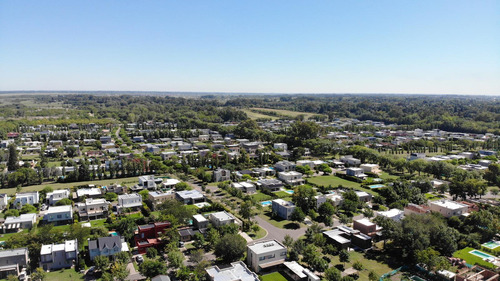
(288, 113)
(255, 115)
(369, 264)
(335, 181)
(470, 258)
(123, 181)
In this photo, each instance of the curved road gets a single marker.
(277, 233)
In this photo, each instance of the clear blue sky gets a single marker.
(397, 46)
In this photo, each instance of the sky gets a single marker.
(255, 46)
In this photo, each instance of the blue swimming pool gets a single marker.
(265, 203)
(113, 233)
(290, 191)
(482, 255)
(375, 186)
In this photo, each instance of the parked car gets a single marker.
(139, 259)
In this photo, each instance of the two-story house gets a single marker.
(190, 196)
(158, 197)
(292, 178)
(270, 184)
(149, 235)
(264, 255)
(13, 224)
(93, 209)
(26, 198)
(282, 208)
(54, 197)
(221, 175)
(57, 256)
(107, 246)
(59, 215)
(221, 218)
(132, 202)
(284, 166)
(12, 262)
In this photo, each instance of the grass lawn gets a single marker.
(387, 176)
(433, 197)
(259, 196)
(369, 264)
(281, 223)
(97, 223)
(275, 276)
(257, 235)
(4, 237)
(472, 259)
(288, 113)
(282, 194)
(12, 191)
(63, 275)
(335, 181)
(255, 115)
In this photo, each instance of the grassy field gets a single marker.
(275, 276)
(369, 265)
(434, 197)
(387, 176)
(259, 196)
(470, 258)
(288, 113)
(255, 115)
(64, 275)
(335, 181)
(4, 237)
(12, 191)
(281, 223)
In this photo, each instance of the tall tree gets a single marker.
(13, 162)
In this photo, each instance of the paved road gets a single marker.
(277, 233)
(133, 274)
(117, 134)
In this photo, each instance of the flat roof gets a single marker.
(199, 218)
(365, 221)
(13, 252)
(193, 194)
(296, 268)
(237, 271)
(20, 219)
(222, 216)
(59, 209)
(452, 205)
(266, 247)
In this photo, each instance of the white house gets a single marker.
(221, 175)
(291, 178)
(4, 201)
(349, 160)
(448, 208)
(221, 218)
(57, 256)
(129, 201)
(356, 172)
(93, 208)
(393, 214)
(370, 168)
(282, 208)
(26, 198)
(236, 272)
(13, 224)
(54, 197)
(264, 255)
(59, 214)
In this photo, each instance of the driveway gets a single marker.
(133, 274)
(277, 233)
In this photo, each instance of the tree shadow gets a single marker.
(292, 225)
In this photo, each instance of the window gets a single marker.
(262, 258)
(283, 253)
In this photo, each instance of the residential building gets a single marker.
(270, 184)
(222, 175)
(284, 166)
(365, 226)
(57, 256)
(282, 208)
(190, 196)
(364, 196)
(200, 222)
(116, 188)
(93, 209)
(12, 262)
(4, 201)
(14, 224)
(415, 209)
(158, 197)
(335, 198)
(244, 186)
(292, 178)
(92, 192)
(448, 208)
(149, 182)
(107, 246)
(170, 183)
(356, 172)
(343, 237)
(149, 235)
(59, 215)
(53, 197)
(238, 271)
(349, 160)
(264, 255)
(393, 214)
(221, 218)
(298, 273)
(370, 168)
(415, 156)
(132, 202)
(26, 198)
(280, 146)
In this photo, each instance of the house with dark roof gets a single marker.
(107, 246)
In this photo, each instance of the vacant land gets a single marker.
(368, 264)
(288, 113)
(255, 115)
(335, 181)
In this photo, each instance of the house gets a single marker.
(14, 224)
(282, 208)
(292, 178)
(363, 196)
(343, 237)
(149, 235)
(284, 166)
(350, 161)
(138, 139)
(448, 208)
(335, 198)
(151, 148)
(200, 222)
(264, 172)
(280, 146)
(149, 182)
(250, 147)
(187, 234)
(59, 215)
(415, 156)
(264, 255)
(132, 202)
(365, 226)
(107, 246)
(221, 175)
(26, 198)
(4, 201)
(160, 278)
(105, 139)
(92, 192)
(190, 196)
(57, 256)
(337, 238)
(170, 183)
(221, 218)
(298, 273)
(93, 209)
(393, 214)
(270, 184)
(158, 197)
(370, 168)
(53, 197)
(238, 271)
(356, 172)
(415, 209)
(116, 188)
(476, 273)
(12, 262)
(244, 186)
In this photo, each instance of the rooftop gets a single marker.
(266, 247)
(452, 205)
(222, 216)
(237, 271)
(59, 209)
(13, 252)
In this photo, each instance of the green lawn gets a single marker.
(472, 259)
(4, 237)
(64, 275)
(282, 194)
(433, 197)
(335, 181)
(257, 235)
(281, 223)
(387, 176)
(12, 191)
(289, 113)
(275, 276)
(255, 115)
(259, 196)
(369, 264)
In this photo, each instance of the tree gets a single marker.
(246, 210)
(144, 193)
(196, 256)
(333, 274)
(13, 162)
(175, 259)
(288, 241)
(39, 274)
(213, 237)
(110, 196)
(326, 210)
(304, 197)
(126, 227)
(119, 271)
(372, 276)
(123, 257)
(181, 186)
(230, 247)
(101, 263)
(11, 213)
(344, 256)
(199, 240)
(64, 201)
(151, 253)
(432, 259)
(298, 215)
(151, 268)
(26, 209)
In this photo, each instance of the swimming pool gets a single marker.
(491, 244)
(290, 191)
(265, 203)
(482, 255)
(375, 186)
(113, 233)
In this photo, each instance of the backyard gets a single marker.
(335, 181)
(472, 259)
(275, 276)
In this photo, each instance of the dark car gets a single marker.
(139, 259)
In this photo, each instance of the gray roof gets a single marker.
(105, 242)
(160, 278)
(13, 252)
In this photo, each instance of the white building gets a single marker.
(448, 208)
(26, 198)
(356, 172)
(282, 208)
(221, 218)
(222, 175)
(292, 178)
(129, 201)
(370, 168)
(393, 214)
(298, 272)
(263, 255)
(13, 224)
(57, 256)
(59, 214)
(238, 271)
(54, 197)
(336, 199)
(93, 208)
(93, 192)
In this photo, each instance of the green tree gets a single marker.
(119, 271)
(181, 186)
(175, 259)
(110, 196)
(101, 263)
(151, 268)
(333, 274)
(26, 209)
(39, 274)
(64, 201)
(11, 213)
(13, 162)
(372, 276)
(230, 247)
(144, 193)
(297, 215)
(344, 256)
(151, 253)
(288, 241)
